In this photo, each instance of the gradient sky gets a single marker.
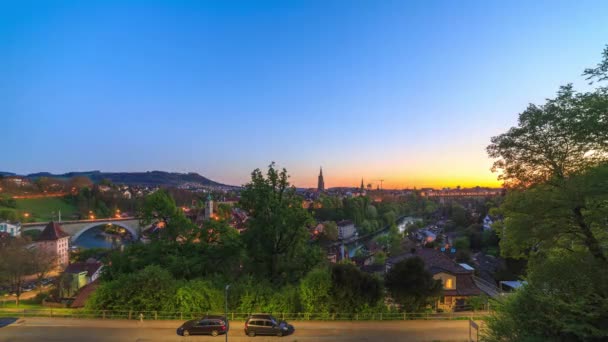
(409, 92)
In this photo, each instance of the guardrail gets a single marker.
(236, 316)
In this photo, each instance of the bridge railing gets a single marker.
(238, 316)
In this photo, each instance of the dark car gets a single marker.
(205, 326)
(263, 324)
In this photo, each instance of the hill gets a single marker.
(149, 178)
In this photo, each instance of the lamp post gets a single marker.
(226, 311)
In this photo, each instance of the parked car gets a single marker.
(264, 324)
(205, 326)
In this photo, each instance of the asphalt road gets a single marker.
(55, 329)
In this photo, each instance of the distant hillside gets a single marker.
(150, 178)
(2, 173)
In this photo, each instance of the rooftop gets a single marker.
(52, 232)
(79, 267)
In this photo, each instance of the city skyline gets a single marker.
(406, 92)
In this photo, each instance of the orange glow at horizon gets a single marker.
(448, 171)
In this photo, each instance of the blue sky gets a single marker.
(409, 92)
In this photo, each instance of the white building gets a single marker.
(346, 229)
(54, 241)
(12, 229)
(209, 208)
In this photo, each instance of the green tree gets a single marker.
(353, 290)
(566, 300)
(224, 211)
(330, 231)
(15, 265)
(546, 217)
(562, 137)
(276, 236)
(315, 291)
(371, 212)
(159, 207)
(411, 285)
(556, 160)
(380, 258)
(150, 289)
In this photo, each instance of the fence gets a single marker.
(161, 315)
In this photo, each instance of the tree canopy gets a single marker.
(411, 285)
(277, 237)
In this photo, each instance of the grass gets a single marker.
(46, 209)
(23, 304)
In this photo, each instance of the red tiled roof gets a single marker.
(52, 232)
(84, 294)
(79, 267)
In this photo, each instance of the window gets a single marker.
(449, 283)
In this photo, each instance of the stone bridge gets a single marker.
(76, 228)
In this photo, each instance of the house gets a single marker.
(127, 194)
(458, 282)
(426, 236)
(346, 229)
(104, 188)
(88, 271)
(13, 230)
(54, 241)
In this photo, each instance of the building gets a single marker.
(321, 183)
(346, 229)
(459, 283)
(54, 241)
(209, 208)
(84, 273)
(127, 194)
(13, 230)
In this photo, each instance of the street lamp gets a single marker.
(226, 312)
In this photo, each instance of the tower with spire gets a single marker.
(362, 186)
(321, 184)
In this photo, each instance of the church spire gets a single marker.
(321, 183)
(362, 187)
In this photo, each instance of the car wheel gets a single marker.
(186, 333)
(214, 333)
(280, 333)
(251, 333)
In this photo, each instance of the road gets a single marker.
(55, 329)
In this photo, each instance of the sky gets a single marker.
(406, 91)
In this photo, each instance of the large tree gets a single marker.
(160, 208)
(411, 285)
(276, 237)
(15, 264)
(552, 141)
(555, 217)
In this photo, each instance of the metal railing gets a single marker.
(237, 316)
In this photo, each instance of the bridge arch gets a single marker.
(130, 229)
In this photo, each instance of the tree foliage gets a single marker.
(562, 137)
(411, 285)
(557, 158)
(276, 236)
(352, 289)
